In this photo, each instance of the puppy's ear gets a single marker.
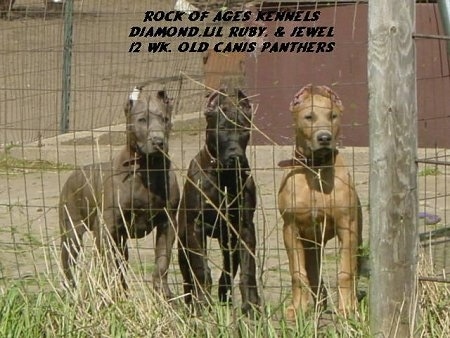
(132, 98)
(162, 96)
(211, 102)
(301, 95)
(334, 97)
(243, 99)
(244, 104)
(165, 99)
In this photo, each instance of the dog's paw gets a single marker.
(225, 295)
(290, 313)
(166, 292)
(168, 295)
(252, 311)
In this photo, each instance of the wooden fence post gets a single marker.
(393, 173)
(64, 122)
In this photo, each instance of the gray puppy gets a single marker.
(129, 197)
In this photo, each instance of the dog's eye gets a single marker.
(334, 115)
(142, 120)
(308, 117)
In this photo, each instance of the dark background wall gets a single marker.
(274, 78)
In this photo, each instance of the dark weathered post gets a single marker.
(67, 62)
(393, 183)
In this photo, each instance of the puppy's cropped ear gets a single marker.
(162, 95)
(211, 102)
(132, 98)
(300, 96)
(164, 98)
(333, 96)
(243, 99)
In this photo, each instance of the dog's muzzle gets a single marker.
(323, 139)
(158, 142)
(153, 145)
(236, 162)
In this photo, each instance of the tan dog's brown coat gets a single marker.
(317, 201)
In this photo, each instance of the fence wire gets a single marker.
(36, 160)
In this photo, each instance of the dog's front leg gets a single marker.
(121, 259)
(296, 257)
(199, 264)
(230, 265)
(71, 242)
(313, 259)
(192, 257)
(111, 246)
(183, 262)
(165, 237)
(348, 238)
(247, 249)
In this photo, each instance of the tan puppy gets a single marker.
(317, 201)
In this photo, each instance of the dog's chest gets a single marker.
(317, 206)
(309, 200)
(143, 209)
(316, 217)
(223, 206)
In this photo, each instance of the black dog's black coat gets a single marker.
(219, 200)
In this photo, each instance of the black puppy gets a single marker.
(219, 201)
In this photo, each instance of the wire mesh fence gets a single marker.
(36, 159)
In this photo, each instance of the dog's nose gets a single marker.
(235, 158)
(236, 162)
(158, 142)
(324, 137)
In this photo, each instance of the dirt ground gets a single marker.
(29, 206)
(29, 236)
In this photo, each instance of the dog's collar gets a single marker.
(300, 160)
(209, 158)
(134, 161)
(142, 164)
(212, 164)
(141, 159)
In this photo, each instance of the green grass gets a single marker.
(429, 171)
(55, 314)
(94, 312)
(11, 165)
(98, 307)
